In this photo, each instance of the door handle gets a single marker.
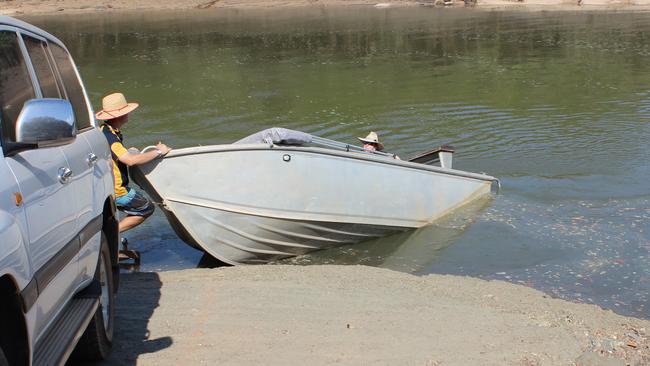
(64, 175)
(92, 159)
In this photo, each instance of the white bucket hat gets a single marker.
(372, 138)
(115, 105)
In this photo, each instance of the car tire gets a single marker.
(3, 359)
(96, 342)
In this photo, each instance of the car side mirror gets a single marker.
(46, 120)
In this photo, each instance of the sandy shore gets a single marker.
(24, 7)
(355, 315)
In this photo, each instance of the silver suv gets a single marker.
(58, 227)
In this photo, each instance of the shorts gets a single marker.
(134, 204)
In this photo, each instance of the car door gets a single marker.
(85, 164)
(49, 71)
(41, 173)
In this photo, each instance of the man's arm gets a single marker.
(136, 159)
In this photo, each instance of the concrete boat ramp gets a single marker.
(356, 315)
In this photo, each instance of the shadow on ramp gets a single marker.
(137, 298)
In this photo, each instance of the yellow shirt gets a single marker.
(120, 170)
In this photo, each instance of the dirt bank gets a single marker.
(29, 7)
(292, 315)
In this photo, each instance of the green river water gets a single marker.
(557, 105)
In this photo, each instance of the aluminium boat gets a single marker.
(281, 193)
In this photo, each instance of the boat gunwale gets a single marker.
(358, 155)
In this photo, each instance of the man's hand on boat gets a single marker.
(164, 149)
(132, 157)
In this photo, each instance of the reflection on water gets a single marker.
(556, 105)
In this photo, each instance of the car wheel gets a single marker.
(96, 342)
(3, 359)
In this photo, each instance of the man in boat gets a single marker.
(115, 113)
(371, 143)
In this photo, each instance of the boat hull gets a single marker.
(256, 203)
(237, 238)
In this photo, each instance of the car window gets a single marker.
(42, 67)
(71, 84)
(15, 84)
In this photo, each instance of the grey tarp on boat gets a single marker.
(277, 135)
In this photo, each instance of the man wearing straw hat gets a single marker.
(115, 113)
(371, 143)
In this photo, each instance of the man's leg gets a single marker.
(137, 209)
(130, 222)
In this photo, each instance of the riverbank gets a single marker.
(279, 315)
(23, 7)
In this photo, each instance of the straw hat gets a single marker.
(372, 138)
(115, 105)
